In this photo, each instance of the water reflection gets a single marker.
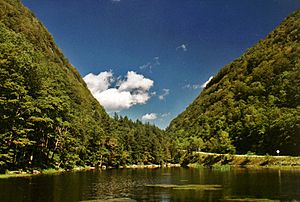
(279, 181)
(130, 184)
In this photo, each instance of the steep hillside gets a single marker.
(252, 104)
(48, 117)
(45, 107)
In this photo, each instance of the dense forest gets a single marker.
(48, 117)
(252, 104)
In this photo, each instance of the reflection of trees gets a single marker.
(129, 183)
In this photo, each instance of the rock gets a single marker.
(36, 172)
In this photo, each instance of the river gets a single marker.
(163, 184)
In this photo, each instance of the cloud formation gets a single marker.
(150, 65)
(165, 93)
(154, 116)
(192, 86)
(198, 86)
(146, 66)
(132, 90)
(153, 93)
(100, 82)
(149, 117)
(206, 82)
(182, 47)
(135, 81)
(166, 114)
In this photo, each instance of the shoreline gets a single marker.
(194, 160)
(53, 171)
(202, 159)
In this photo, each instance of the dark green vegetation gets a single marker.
(48, 117)
(252, 104)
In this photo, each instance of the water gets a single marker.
(258, 184)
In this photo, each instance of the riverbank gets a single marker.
(21, 173)
(194, 160)
(202, 159)
(30, 173)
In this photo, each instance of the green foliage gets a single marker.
(252, 104)
(48, 117)
(141, 143)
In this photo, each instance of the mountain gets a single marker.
(48, 117)
(252, 104)
(45, 106)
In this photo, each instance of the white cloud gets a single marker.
(198, 86)
(153, 93)
(165, 93)
(166, 114)
(206, 82)
(100, 82)
(192, 86)
(133, 90)
(114, 100)
(187, 86)
(145, 66)
(155, 116)
(156, 60)
(149, 117)
(150, 65)
(182, 47)
(135, 81)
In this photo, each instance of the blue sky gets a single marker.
(150, 58)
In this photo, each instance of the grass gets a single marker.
(13, 175)
(225, 161)
(48, 171)
(52, 171)
(222, 162)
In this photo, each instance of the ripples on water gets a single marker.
(166, 184)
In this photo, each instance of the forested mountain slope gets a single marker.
(48, 117)
(251, 104)
(45, 107)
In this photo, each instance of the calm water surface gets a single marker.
(273, 184)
